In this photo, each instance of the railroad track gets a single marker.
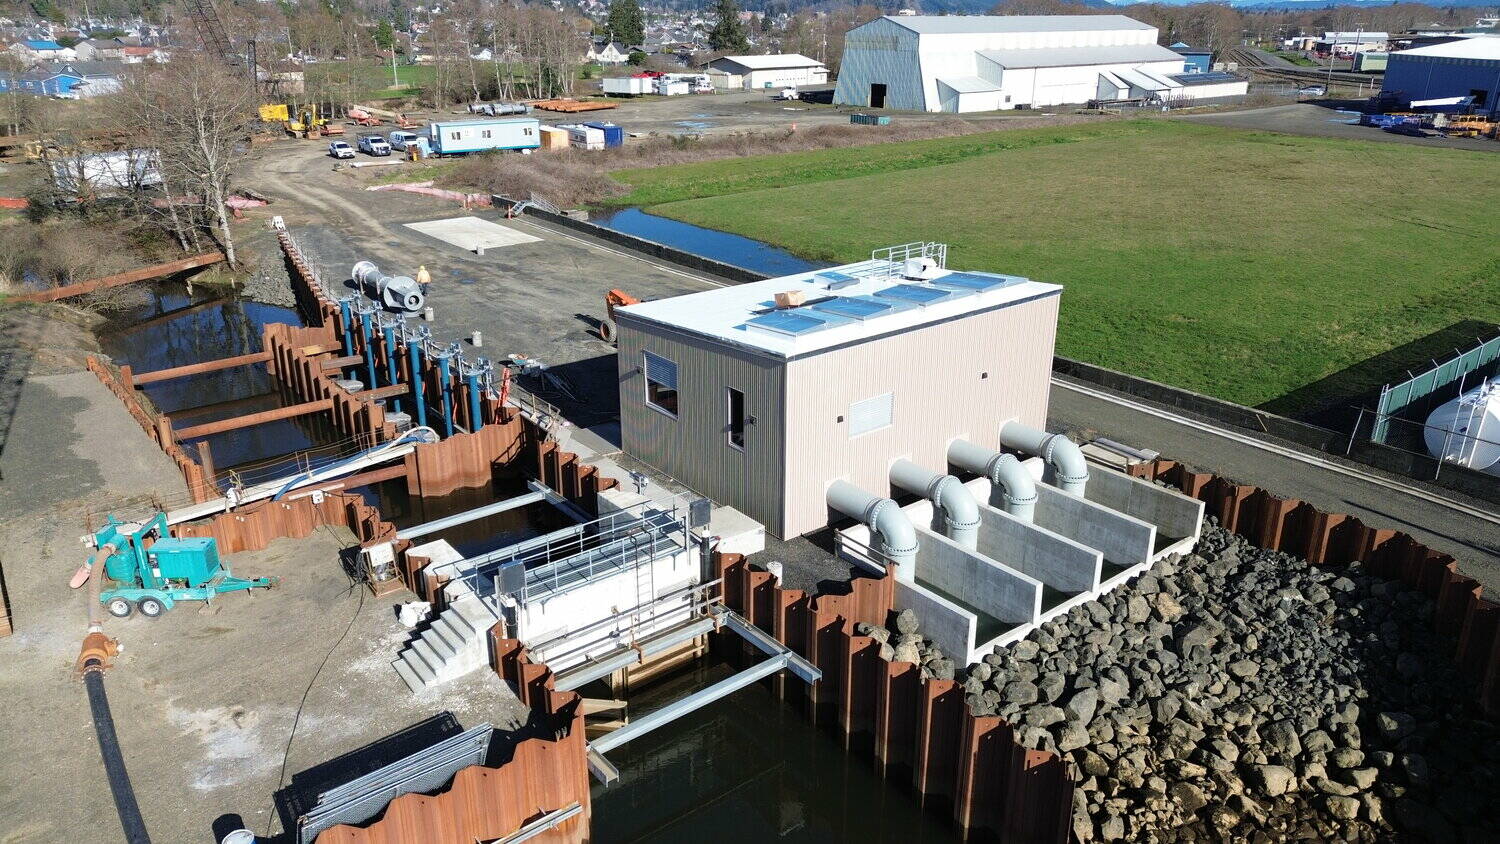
(1254, 62)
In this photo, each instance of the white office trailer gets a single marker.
(784, 70)
(988, 63)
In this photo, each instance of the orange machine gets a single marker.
(613, 299)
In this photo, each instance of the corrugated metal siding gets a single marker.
(881, 52)
(934, 402)
(1431, 77)
(694, 447)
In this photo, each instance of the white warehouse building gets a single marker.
(989, 63)
(785, 70)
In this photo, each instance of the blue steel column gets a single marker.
(364, 328)
(445, 385)
(346, 325)
(414, 352)
(475, 419)
(388, 330)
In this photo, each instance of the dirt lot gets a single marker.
(1324, 122)
(205, 701)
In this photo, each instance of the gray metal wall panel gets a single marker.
(883, 52)
(939, 395)
(694, 448)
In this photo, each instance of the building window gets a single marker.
(527, 131)
(736, 422)
(872, 414)
(484, 133)
(453, 136)
(661, 384)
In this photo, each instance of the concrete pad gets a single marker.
(469, 233)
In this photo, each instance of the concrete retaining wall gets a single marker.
(952, 627)
(1173, 513)
(1051, 558)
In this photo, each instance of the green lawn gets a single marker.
(1297, 58)
(1241, 264)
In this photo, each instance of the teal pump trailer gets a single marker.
(153, 570)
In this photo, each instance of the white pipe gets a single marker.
(891, 533)
(948, 496)
(1010, 483)
(1065, 462)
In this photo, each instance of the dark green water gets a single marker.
(749, 768)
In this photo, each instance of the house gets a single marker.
(40, 50)
(785, 70)
(612, 52)
(99, 49)
(140, 55)
(73, 80)
(990, 62)
(1194, 59)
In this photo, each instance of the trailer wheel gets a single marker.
(150, 607)
(119, 607)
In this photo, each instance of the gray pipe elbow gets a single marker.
(948, 496)
(1004, 472)
(892, 532)
(1070, 471)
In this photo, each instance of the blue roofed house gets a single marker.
(43, 50)
(1194, 59)
(75, 80)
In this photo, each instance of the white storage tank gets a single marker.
(1466, 430)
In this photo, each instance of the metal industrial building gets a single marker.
(989, 63)
(786, 70)
(1466, 68)
(761, 407)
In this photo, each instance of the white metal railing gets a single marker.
(897, 256)
(846, 547)
(640, 621)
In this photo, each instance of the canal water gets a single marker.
(749, 768)
(720, 246)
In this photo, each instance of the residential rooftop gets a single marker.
(843, 305)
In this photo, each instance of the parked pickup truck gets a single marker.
(401, 139)
(374, 145)
(339, 149)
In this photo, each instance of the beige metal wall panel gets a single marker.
(694, 448)
(935, 374)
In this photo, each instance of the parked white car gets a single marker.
(400, 138)
(339, 149)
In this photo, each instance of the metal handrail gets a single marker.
(851, 549)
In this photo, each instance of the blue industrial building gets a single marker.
(1466, 68)
(1194, 60)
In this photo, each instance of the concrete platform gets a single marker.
(470, 233)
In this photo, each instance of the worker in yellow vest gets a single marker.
(424, 278)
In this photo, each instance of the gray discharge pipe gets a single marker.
(891, 531)
(1070, 472)
(396, 291)
(948, 496)
(1011, 485)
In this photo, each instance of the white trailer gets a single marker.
(627, 86)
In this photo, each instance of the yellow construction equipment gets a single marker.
(274, 112)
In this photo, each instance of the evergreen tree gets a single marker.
(625, 22)
(728, 33)
(385, 35)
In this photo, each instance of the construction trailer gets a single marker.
(495, 133)
(760, 407)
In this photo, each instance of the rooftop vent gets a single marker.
(920, 268)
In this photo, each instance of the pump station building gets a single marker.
(988, 63)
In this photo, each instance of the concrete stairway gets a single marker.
(452, 646)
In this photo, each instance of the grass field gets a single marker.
(1241, 264)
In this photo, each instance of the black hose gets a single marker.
(129, 811)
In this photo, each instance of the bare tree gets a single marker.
(200, 114)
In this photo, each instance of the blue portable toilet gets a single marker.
(614, 136)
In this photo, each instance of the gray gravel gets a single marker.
(1241, 694)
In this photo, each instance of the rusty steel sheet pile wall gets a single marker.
(546, 772)
(257, 525)
(1298, 528)
(297, 365)
(971, 768)
(158, 427)
(468, 460)
(567, 474)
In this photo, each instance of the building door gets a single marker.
(877, 95)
